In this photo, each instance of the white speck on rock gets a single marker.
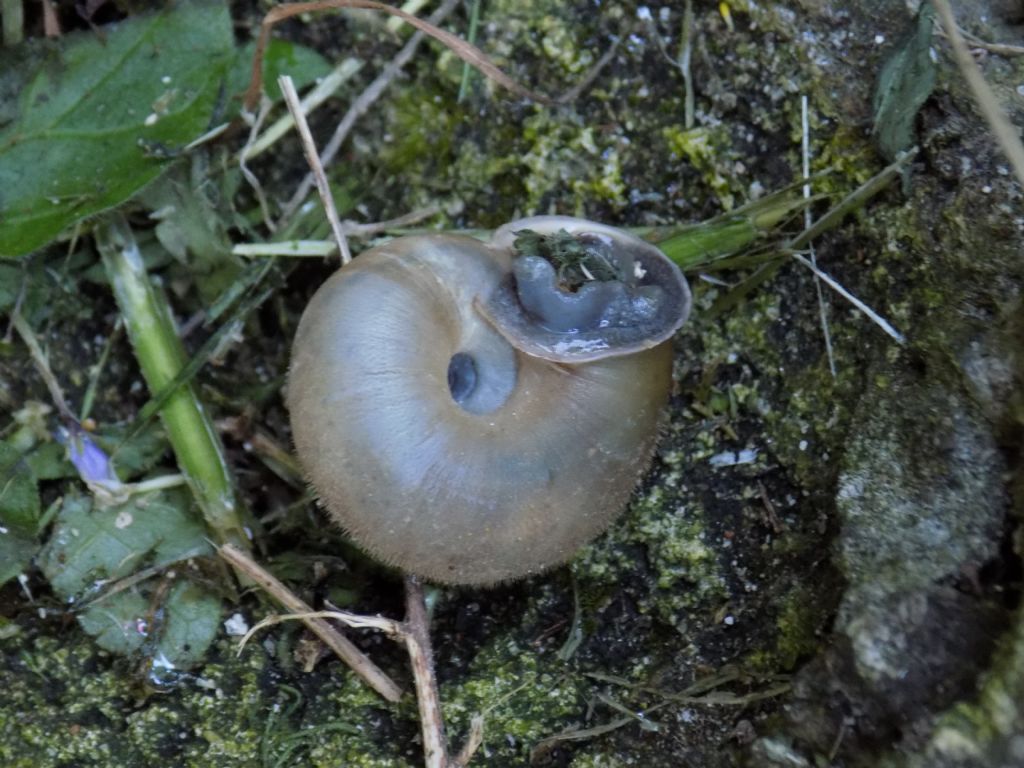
(733, 458)
(236, 625)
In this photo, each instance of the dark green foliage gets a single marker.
(905, 82)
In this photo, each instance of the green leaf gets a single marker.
(20, 509)
(905, 82)
(192, 620)
(137, 455)
(16, 552)
(92, 546)
(118, 624)
(49, 461)
(193, 222)
(99, 117)
(19, 494)
(10, 285)
(303, 65)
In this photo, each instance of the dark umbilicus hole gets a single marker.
(462, 376)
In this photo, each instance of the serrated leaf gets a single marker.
(93, 546)
(91, 126)
(118, 624)
(190, 224)
(192, 619)
(90, 545)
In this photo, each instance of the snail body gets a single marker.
(456, 424)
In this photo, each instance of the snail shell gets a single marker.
(468, 421)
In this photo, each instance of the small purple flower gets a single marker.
(92, 463)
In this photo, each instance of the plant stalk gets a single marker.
(161, 356)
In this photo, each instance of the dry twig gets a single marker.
(834, 284)
(364, 101)
(374, 676)
(588, 79)
(1006, 134)
(468, 53)
(291, 98)
(316, 96)
(250, 177)
(999, 49)
(321, 248)
(414, 633)
(51, 22)
(42, 364)
(805, 145)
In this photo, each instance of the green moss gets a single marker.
(333, 728)
(709, 151)
(982, 731)
(76, 707)
(798, 623)
(683, 566)
(523, 696)
(589, 760)
(544, 30)
(525, 165)
(850, 160)
(678, 553)
(560, 45)
(422, 131)
(570, 157)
